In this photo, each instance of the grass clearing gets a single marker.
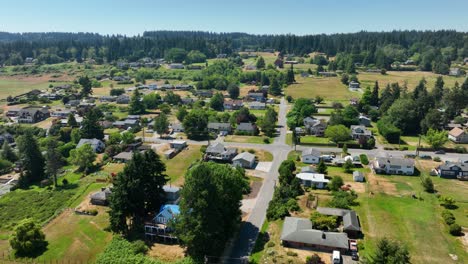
(177, 166)
(245, 139)
(329, 88)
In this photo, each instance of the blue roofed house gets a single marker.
(167, 213)
(159, 228)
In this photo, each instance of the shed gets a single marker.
(244, 160)
(358, 176)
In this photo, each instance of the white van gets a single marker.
(336, 257)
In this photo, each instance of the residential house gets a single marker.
(177, 128)
(365, 121)
(178, 144)
(204, 93)
(354, 101)
(13, 112)
(265, 88)
(107, 98)
(78, 119)
(360, 132)
(257, 106)
(153, 86)
(224, 128)
(314, 126)
(176, 66)
(183, 87)
(354, 86)
(291, 62)
(126, 124)
(167, 86)
(300, 131)
(390, 165)
(187, 100)
(123, 157)
(256, 96)
(453, 170)
(458, 135)
(218, 151)
(250, 67)
(28, 60)
(455, 72)
(101, 197)
(244, 160)
(166, 214)
(32, 115)
(172, 194)
(351, 224)
(6, 137)
(62, 113)
(298, 232)
(358, 176)
(97, 145)
(247, 128)
(50, 96)
(123, 99)
(311, 156)
(72, 103)
(233, 104)
(328, 74)
(316, 180)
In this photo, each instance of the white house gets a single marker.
(390, 165)
(311, 156)
(178, 144)
(458, 135)
(313, 179)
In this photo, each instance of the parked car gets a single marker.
(410, 156)
(439, 152)
(425, 157)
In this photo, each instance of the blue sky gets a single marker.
(301, 17)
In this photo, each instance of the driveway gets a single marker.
(264, 166)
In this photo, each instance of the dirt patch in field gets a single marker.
(254, 189)
(380, 184)
(464, 238)
(427, 165)
(358, 187)
(167, 253)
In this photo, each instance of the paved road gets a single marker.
(244, 243)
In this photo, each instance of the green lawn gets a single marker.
(329, 88)
(245, 139)
(14, 87)
(177, 166)
(411, 221)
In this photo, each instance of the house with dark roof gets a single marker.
(244, 160)
(122, 99)
(453, 170)
(97, 145)
(298, 233)
(256, 96)
(123, 157)
(257, 105)
(204, 93)
(458, 135)
(364, 121)
(314, 126)
(172, 194)
(351, 224)
(390, 165)
(31, 115)
(311, 156)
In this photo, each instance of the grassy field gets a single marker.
(328, 88)
(177, 166)
(392, 212)
(245, 139)
(13, 87)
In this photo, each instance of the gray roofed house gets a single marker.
(96, 144)
(218, 151)
(311, 156)
(219, 127)
(101, 197)
(358, 132)
(364, 121)
(257, 105)
(178, 127)
(244, 160)
(123, 99)
(298, 232)
(350, 220)
(246, 128)
(33, 114)
(390, 165)
(123, 157)
(358, 176)
(315, 126)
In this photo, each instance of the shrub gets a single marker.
(28, 239)
(266, 140)
(139, 247)
(436, 159)
(314, 259)
(390, 132)
(251, 151)
(460, 149)
(448, 217)
(427, 184)
(455, 229)
(270, 244)
(364, 159)
(323, 222)
(291, 254)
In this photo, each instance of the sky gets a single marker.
(301, 17)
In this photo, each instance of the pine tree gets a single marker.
(31, 158)
(8, 153)
(375, 94)
(53, 160)
(71, 122)
(260, 63)
(322, 167)
(290, 76)
(275, 88)
(86, 86)
(136, 107)
(90, 127)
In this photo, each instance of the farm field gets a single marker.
(17, 86)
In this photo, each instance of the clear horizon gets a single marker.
(298, 17)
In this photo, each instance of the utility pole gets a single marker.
(419, 144)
